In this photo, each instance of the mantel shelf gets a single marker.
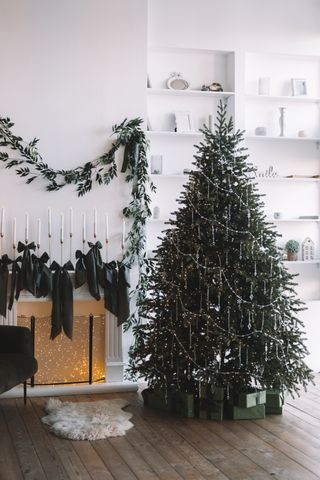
(284, 98)
(189, 93)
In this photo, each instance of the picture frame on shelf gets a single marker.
(156, 164)
(184, 122)
(299, 86)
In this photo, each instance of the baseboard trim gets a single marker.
(74, 389)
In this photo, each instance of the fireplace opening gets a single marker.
(65, 361)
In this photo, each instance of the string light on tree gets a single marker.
(220, 295)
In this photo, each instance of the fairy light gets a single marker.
(62, 361)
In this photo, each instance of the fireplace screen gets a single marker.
(61, 361)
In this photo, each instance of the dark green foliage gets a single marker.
(222, 308)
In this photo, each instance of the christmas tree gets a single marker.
(222, 309)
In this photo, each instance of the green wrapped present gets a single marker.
(276, 397)
(211, 391)
(242, 413)
(274, 410)
(158, 399)
(251, 399)
(184, 404)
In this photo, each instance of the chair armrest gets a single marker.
(16, 340)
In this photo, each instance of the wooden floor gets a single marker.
(161, 446)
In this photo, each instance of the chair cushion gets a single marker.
(15, 368)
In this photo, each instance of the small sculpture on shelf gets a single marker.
(214, 87)
(281, 120)
(292, 248)
(176, 82)
(269, 173)
(308, 249)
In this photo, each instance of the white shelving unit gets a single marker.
(290, 154)
(293, 154)
(199, 67)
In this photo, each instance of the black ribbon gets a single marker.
(4, 278)
(80, 273)
(62, 300)
(16, 279)
(116, 290)
(42, 276)
(94, 265)
(109, 282)
(26, 273)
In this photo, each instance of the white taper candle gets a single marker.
(49, 223)
(95, 223)
(38, 233)
(14, 232)
(71, 221)
(107, 227)
(61, 227)
(2, 221)
(26, 227)
(83, 227)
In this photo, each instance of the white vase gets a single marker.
(281, 120)
(264, 86)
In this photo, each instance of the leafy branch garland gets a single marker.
(30, 165)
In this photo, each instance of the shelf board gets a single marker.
(158, 220)
(277, 220)
(286, 179)
(189, 93)
(160, 133)
(266, 138)
(284, 98)
(177, 175)
(302, 262)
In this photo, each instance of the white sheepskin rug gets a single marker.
(87, 420)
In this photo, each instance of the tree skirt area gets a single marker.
(87, 420)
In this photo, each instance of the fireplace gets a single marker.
(58, 375)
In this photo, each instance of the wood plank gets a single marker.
(28, 459)
(174, 458)
(265, 455)
(110, 457)
(164, 425)
(9, 463)
(151, 456)
(42, 442)
(302, 458)
(156, 441)
(71, 462)
(234, 464)
(163, 446)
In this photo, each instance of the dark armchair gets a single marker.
(17, 362)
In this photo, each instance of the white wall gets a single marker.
(275, 26)
(69, 70)
(286, 26)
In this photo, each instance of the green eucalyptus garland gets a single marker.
(25, 158)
